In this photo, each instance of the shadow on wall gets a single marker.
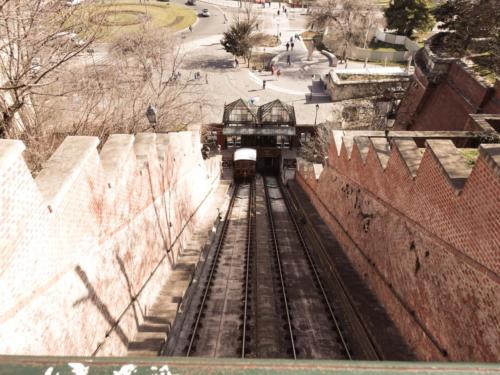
(133, 297)
(101, 306)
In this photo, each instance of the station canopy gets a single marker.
(276, 112)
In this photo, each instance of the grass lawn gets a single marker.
(308, 34)
(125, 16)
(260, 60)
(266, 40)
(386, 47)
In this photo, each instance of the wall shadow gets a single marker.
(101, 306)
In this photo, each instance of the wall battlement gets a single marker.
(443, 93)
(86, 245)
(422, 226)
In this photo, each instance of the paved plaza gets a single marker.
(204, 53)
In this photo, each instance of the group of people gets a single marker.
(197, 76)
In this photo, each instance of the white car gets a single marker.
(73, 37)
(205, 13)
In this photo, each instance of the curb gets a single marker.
(187, 28)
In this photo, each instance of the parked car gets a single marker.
(205, 13)
(66, 35)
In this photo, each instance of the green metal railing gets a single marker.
(208, 366)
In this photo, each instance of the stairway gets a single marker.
(153, 332)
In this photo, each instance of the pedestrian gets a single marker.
(278, 73)
(291, 39)
(263, 84)
(278, 12)
(206, 78)
(291, 45)
(287, 46)
(190, 28)
(288, 60)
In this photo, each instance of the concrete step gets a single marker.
(153, 332)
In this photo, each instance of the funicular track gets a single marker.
(220, 326)
(314, 328)
(263, 295)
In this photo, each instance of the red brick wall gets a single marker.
(447, 104)
(70, 273)
(430, 253)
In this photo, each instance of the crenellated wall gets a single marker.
(85, 247)
(423, 229)
(442, 94)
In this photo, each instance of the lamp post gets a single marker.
(316, 117)
(151, 115)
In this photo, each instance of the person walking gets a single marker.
(278, 12)
(278, 73)
(190, 28)
(287, 46)
(291, 45)
(288, 61)
(291, 39)
(263, 84)
(206, 78)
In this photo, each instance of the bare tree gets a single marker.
(38, 37)
(112, 96)
(345, 22)
(149, 62)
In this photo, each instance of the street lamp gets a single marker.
(151, 115)
(316, 117)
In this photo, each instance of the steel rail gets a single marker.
(315, 271)
(277, 252)
(369, 348)
(250, 216)
(220, 243)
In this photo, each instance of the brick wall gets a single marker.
(423, 229)
(444, 102)
(86, 246)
